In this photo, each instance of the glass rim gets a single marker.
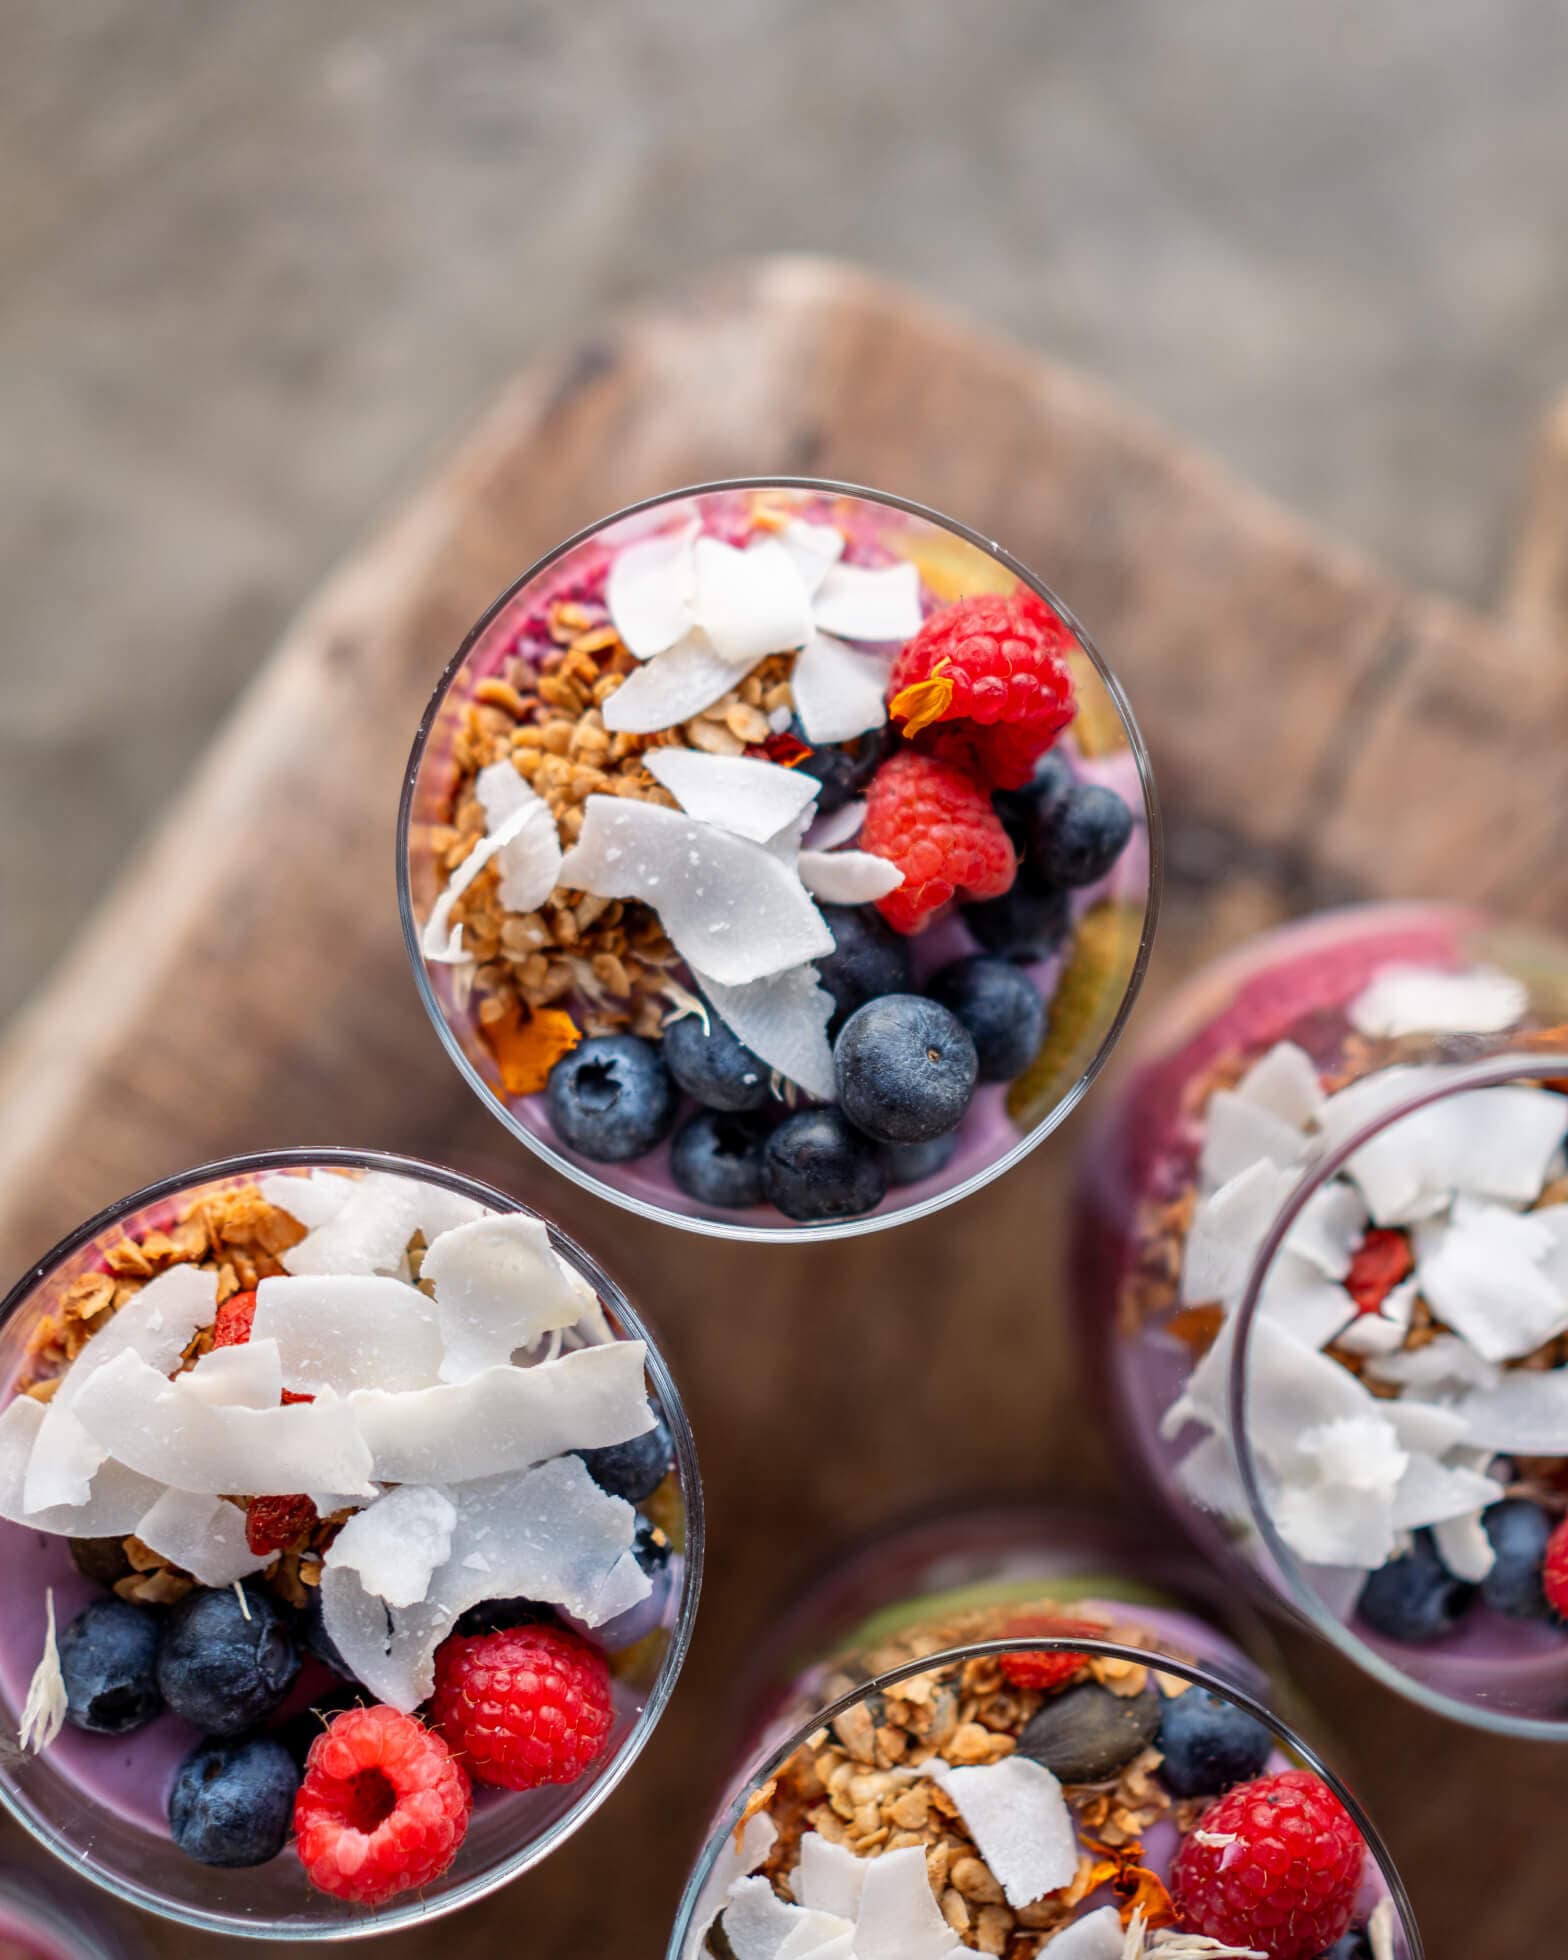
(1195, 1673)
(804, 1234)
(1491, 1072)
(419, 1912)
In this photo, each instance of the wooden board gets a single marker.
(1319, 732)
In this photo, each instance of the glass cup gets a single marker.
(499, 1004)
(1257, 1291)
(38, 1923)
(100, 1803)
(939, 1603)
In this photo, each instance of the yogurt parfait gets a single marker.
(1323, 1268)
(352, 1538)
(1028, 1750)
(778, 859)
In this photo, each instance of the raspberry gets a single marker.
(1554, 1573)
(1042, 1670)
(382, 1809)
(992, 672)
(526, 1706)
(937, 825)
(232, 1326)
(1285, 1874)
(1381, 1261)
(273, 1522)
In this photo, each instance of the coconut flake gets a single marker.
(441, 942)
(1482, 1275)
(1285, 1082)
(1524, 1413)
(202, 1535)
(1228, 1226)
(1463, 1546)
(439, 1210)
(311, 1197)
(1433, 1493)
(842, 826)
(1328, 1525)
(815, 548)
(1446, 1362)
(848, 877)
(783, 1020)
(499, 1286)
(749, 603)
(838, 691)
(1097, 1936)
(1329, 1228)
(530, 863)
(743, 1852)
(1209, 1475)
(754, 799)
(116, 1497)
(1382, 1332)
(346, 1331)
(1404, 1000)
(898, 1917)
(397, 1543)
(670, 689)
(757, 1923)
(246, 1377)
(43, 1712)
(368, 1233)
(503, 1419)
(1016, 1814)
(650, 589)
(1425, 1428)
(1296, 1295)
(858, 602)
(733, 910)
(1239, 1132)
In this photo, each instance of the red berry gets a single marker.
(382, 1809)
(273, 1522)
(232, 1326)
(1284, 1876)
(1047, 1670)
(1554, 1573)
(527, 1706)
(1382, 1260)
(937, 825)
(993, 670)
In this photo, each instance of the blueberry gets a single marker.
(1209, 1744)
(1075, 839)
(1087, 1734)
(311, 1631)
(632, 1470)
(1028, 922)
(716, 1158)
(611, 1098)
(1354, 1946)
(1518, 1530)
(906, 1068)
(233, 1802)
(870, 959)
(1019, 808)
(1000, 1006)
(109, 1661)
(712, 1065)
(501, 1615)
(844, 768)
(817, 1165)
(908, 1163)
(220, 1671)
(301, 1730)
(1415, 1597)
(650, 1546)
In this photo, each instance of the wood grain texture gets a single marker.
(1318, 733)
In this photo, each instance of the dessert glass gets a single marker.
(1090, 981)
(1146, 1338)
(99, 1803)
(940, 1592)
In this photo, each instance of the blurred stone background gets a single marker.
(262, 263)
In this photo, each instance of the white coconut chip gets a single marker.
(878, 604)
(503, 1419)
(249, 1376)
(1016, 1814)
(742, 1853)
(1296, 1295)
(157, 1324)
(885, 1900)
(670, 689)
(1097, 1936)
(43, 1712)
(749, 603)
(843, 826)
(346, 1331)
(441, 942)
(1463, 1546)
(783, 1020)
(1445, 1363)
(157, 1427)
(1524, 1413)
(499, 1286)
(1329, 1228)
(733, 910)
(758, 1923)
(755, 799)
(1228, 1227)
(1482, 1275)
(650, 589)
(1285, 1082)
(397, 1543)
(1325, 1524)
(202, 1535)
(311, 1197)
(839, 692)
(848, 877)
(1428, 1000)
(1209, 1476)
(530, 864)
(815, 548)
(1382, 1332)
(1425, 1428)
(1239, 1132)
(1435, 1493)
(368, 1233)
(116, 1497)
(438, 1210)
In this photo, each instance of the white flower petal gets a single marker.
(848, 877)
(669, 689)
(1427, 1000)
(749, 603)
(838, 692)
(881, 605)
(741, 793)
(650, 589)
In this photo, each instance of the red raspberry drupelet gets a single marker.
(1554, 1573)
(937, 825)
(527, 1706)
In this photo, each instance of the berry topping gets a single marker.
(1414, 1597)
(232, 1326)
(1519, 1532)
(1380, 1262)
(222, 1666)
(937, 825)
(1076, 837)
(524, 1707)
(233, 1802)
(842, 768)
(382, 1809)
(1047, 1670)
(994, 671)
(817, 1166)
(1209, 1744)
(869, 959)
(108, 1661)
(910, 1163)
(1087, 1734)
(271, 1523)
(710, 1064)
(611, 1098)
(906, 1069)
(1275, 1865)
(716, 1158)
(1000, 1006)
(1554, 1571)
(1028, 922)
(635, 1469)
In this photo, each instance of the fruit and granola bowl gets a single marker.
(352, 1540)
(778, 859)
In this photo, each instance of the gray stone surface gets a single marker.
(263, 261)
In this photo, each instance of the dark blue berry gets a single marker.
(1518, 1530)
(1354, 1946)
(906, 1068)
(817, 1165)
(844, 768)
(219, 1670)
(710, 1064)
(650, 1546)
(301, 1730)
(233, 1802)
(311, 1631)
(611, 1098)
(716, 1158)
(1020, 808)
(1000, 1006)
(1075, 839)
(1209, 1744)
(909, 1163)
(109, 1661)
(1415, 1597)
(870, 959)
(635, 1469)
(1028, 922)
(501, 1615)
